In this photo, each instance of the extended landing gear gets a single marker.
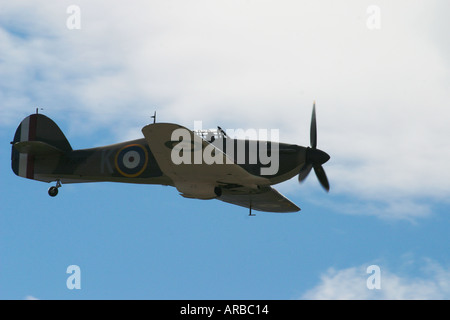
(53, 191)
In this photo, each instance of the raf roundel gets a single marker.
(131, 160)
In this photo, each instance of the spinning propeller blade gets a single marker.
(315, 157)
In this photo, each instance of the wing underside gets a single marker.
(265, 199)
(237, 186)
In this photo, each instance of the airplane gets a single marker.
(40, 151)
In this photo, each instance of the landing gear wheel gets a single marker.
(52, 191)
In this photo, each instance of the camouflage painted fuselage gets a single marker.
(40, 151)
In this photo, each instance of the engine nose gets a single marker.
(317, 156)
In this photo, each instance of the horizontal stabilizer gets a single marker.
(36, 148)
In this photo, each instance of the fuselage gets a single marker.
(133, 162)
(40, 151)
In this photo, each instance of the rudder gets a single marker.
(35, 132)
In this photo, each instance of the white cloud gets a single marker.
(351, 283)
(382, 95)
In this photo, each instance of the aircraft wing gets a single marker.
(266, 199)
(238, 185)
(159, 139)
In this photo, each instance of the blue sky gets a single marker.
(381, 109)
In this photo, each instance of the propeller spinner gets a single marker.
(315, 157)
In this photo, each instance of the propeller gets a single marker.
(315, 158)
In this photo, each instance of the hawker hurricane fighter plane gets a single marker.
(202, 164)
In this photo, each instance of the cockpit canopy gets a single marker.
(211, 134)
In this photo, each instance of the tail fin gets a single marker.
(37, 135)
